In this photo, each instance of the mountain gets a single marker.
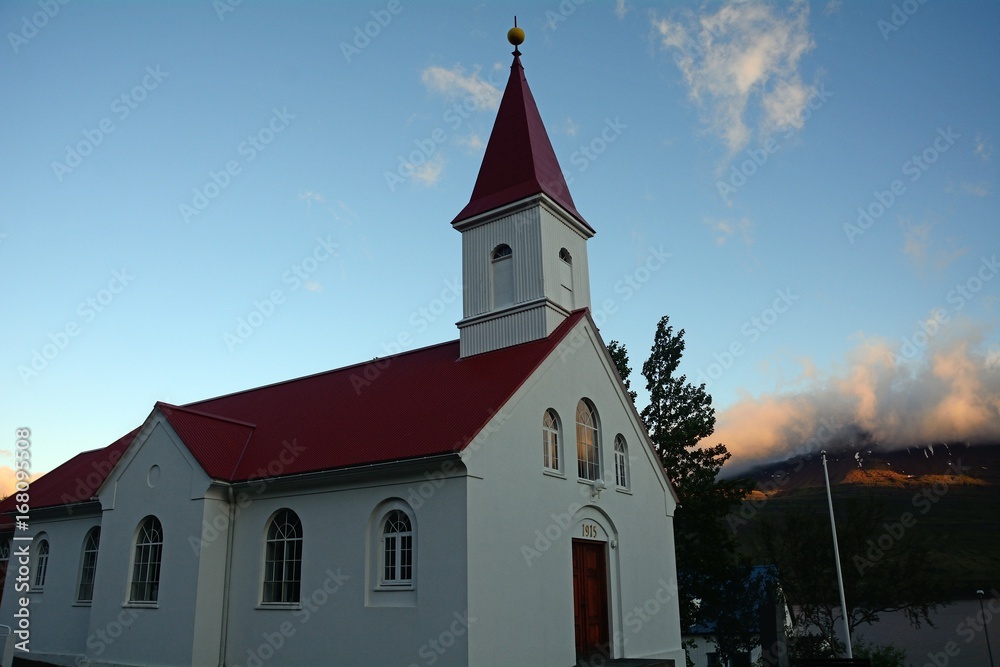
(952, 490)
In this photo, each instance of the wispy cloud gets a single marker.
(429, 172)
(474, 143)
(725, 229)
(621, 8)
(454, 83)
(571, 127)
(977, 189)
(832, 7)
(741, 65)
(949, 392)
(927, 250)
(983, 149)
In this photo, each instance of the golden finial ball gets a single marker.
(515, 36)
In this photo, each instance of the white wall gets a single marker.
(58, 624)
(189, 604)
(342, 619)
(512, 502)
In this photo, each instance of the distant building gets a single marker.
(493, 500)
(772, 623)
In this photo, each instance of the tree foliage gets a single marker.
(876, 580)
(678, 417)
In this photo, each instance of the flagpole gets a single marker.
(836, 555)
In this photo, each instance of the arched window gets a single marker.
(587, 446)
(4, 551)
(502, 275)
(621, 463)
(566, 277)
(397, 549)
(283, 558)
(550, 440)
(41, 563)
(88, 566)
(145, 585)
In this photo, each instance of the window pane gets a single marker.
(283, 558)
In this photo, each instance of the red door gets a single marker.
(590, 597)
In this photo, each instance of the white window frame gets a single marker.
(289, 563)
(552, 445)
(502, 276)
(623, 475)
(588, 465)
(41, 570)
(88, 564)
(147, 559)
(399, 544)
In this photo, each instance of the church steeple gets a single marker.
(524, 256)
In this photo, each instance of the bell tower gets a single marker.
(524, 244)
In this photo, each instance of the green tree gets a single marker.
(876, 581)
(678, 417)
(620, 356)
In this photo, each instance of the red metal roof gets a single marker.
(75, 481)
(411, 405)
(519, 160)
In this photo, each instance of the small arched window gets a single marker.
(502, 275)
(145, 585)
(4, 551)
(88, 565)
(587, 445)
(41, 563)
(550, 440)
(397, 549)
(283, 559)
(621, 463)
(566, 277)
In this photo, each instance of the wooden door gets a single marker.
(590, 597)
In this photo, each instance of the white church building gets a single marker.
(489, 501)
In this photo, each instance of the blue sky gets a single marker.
(170, 169)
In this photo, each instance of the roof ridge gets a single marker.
(201, 413)
(318, 374)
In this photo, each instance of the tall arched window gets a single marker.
(283, 558)
(587, 446)
(41, 563)
(88, 566)
(621, 463)
(550, 440)
(566, 276)
(502, 275)
(397, 549)
(146, 561)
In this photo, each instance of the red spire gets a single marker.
(519, 160)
